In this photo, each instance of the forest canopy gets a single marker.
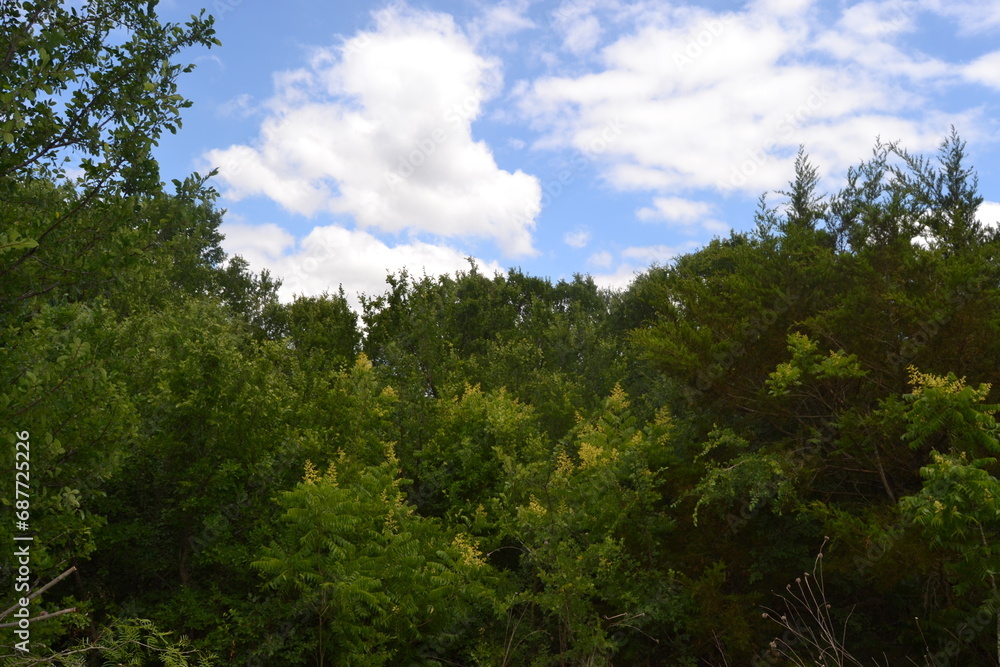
(780, 448)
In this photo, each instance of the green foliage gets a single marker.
(754, 477)
(96, 80)
(805, 206)
(491, 495)
(957, 509)
(375, 577)
(252, 297)
(214, 405)
(124, 642)
(808, 363)
(944, 408)
(460, 469)
(547, 344)
(585, 521)
(324, 328)
(74, 256)
(719, 317)
(68, 82)
(58, 388)
(341, 409)
(797, 338)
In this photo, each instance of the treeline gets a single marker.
(779, 449)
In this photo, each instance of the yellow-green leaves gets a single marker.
(584, 516)
(952, 415)
(808, 362)
(11, 240)
(373, 572)
(958, 510)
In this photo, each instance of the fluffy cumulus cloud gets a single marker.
(686, 213)
(578, 27)
(577, 239)
(721, 101)
(681, 112)
(332, 255)
(985, 70)
(989, 214)
(380, 129)
(620, 278)
(675, 209)
(264, 246)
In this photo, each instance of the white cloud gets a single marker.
(582, 35)
(620, 278)
(239, 106)
(675, 209)
(985, 70)
(501, 19)
(577, 239)
(575, 22)
(331, 256)
(261, 245)
(989, 214)
(866, 34)
(379, 129)
(602, 259)
(782, 7)
(723, 100)
(694, 216)
(972, 16)
(657, 254)
(877, 19)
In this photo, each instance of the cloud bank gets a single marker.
(379, 129)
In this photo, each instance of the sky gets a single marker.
(353, 139)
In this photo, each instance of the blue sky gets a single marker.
(590, 136)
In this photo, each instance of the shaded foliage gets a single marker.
(500, 469)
